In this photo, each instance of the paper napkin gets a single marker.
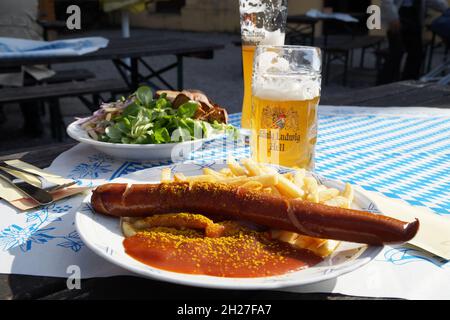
(434, 231)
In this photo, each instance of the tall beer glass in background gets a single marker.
(262, 22)
(285, 95)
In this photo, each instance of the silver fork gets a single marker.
(45, 184)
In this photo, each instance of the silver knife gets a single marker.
(39, 195)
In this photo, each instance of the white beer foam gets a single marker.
(271, 62)
(288, 88)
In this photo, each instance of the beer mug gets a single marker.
(285, 95)
(262, 22)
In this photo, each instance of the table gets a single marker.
(31, 287)
(134, 49)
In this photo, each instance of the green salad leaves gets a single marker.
(148, 120)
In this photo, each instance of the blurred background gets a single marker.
(354, 56)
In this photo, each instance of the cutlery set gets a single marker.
(41, 195)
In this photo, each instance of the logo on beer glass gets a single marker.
(280, 122)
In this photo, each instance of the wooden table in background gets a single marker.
(127, 287)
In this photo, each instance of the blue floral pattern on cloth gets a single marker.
(34, 232)
(404, 255)
(95, 166)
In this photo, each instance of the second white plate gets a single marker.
(140, 152)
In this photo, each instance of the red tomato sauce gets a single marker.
(244, 253)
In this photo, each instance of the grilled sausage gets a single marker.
(235, 203)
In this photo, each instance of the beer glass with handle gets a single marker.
(262, 22)
(285, 95)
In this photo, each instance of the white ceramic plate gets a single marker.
(139, 152)
(103, 235)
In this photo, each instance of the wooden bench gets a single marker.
(52, 92)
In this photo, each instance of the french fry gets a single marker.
(268, 169)
(304, 241)
(311, 189)
(288, 188)
(327, 247)
(289, 176)
(201, 178)
(226, 172)
(267, 190)
(211, 172)
(313, 197)
(328, 194)
(266, 180)
(338, 201)
(166, 175)
(179, 177)
(252, 167)
(275, 191)
(311, 185)
(254, 185)
(349, 194)
(298, 177)
(287, 236)
(235, 167)
(127, 228)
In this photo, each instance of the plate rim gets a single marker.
(73, 127)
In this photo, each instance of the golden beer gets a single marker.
(285, 97)
(247, 65)
(284, 132)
